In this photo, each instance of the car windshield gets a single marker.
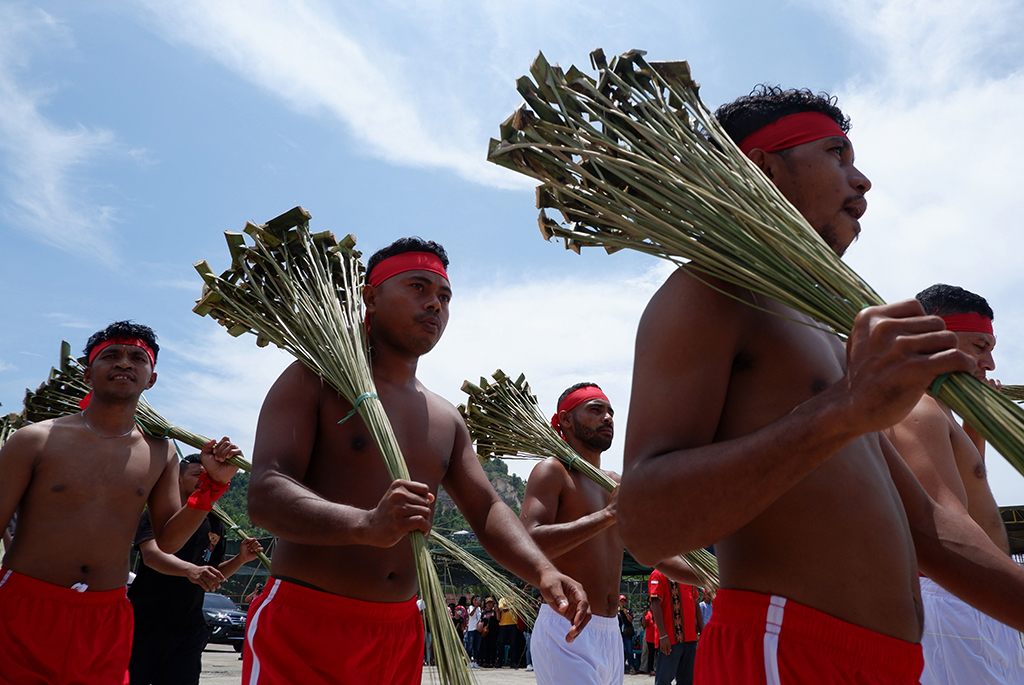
(215, 601)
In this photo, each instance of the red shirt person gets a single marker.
(678, 623)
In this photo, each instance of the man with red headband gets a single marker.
(572, 519)
(341, 604)
(755, 429)
(79, 484)
(960, 643)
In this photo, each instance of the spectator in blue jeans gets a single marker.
(628, 631)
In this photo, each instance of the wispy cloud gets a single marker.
(43, 193)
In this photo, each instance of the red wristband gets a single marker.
(208, 492)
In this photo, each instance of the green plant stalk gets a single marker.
(633, 159)
(497, 583)
(238, 532)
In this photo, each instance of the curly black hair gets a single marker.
(124, 329)
(573, 388)
(766, 104)
(402, 245)
(944, 300)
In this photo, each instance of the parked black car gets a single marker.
(225, 620)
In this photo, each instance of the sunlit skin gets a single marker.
(79, 496)
(948, 459)
(761, 434)
(322, 486)
(572, 518)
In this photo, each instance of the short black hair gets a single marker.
(402, 245)
(573, 388)
(188, 460)
(944, 300)
(766, 104)
(124, 329)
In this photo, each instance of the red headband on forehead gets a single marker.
(971, 322)
(136, 342)
(575, 399)
(406, 261)
(795, 129)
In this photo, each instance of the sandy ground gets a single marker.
(222, 667)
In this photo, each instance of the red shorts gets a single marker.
(299, 635)
(756, 639)
(54, 635)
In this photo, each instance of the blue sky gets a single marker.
(134, 133)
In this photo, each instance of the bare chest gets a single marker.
(781, 364)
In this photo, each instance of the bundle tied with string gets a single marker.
(302, 291)
(633, 159)
(504, 419)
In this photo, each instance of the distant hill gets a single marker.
(510, 488)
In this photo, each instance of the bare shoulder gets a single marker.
(297, 381)
(548, 471)
(688, 298)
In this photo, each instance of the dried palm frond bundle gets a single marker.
(238, 532)
(9, 424)
(303, 292)
(1013, 392)
(634, 159)
(504, 418)
(497, 583)
(66, 387)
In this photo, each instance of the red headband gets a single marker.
(795, 129)
(971, 322)
(136, 342)
(575, 399)
(406, 261)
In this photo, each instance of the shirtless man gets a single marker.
(760, 433)
(572, 519)
(319, 483)
(79, 484)
(960, 643)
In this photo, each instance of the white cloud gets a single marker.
(44, 195)
(318, 61)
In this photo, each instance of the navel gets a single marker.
(85, 569)
(141, 492)
(59, 487)
(358, 443)
(819, 385)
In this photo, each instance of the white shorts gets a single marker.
(593, 658)
(963, 645)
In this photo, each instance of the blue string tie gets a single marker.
(355, 405)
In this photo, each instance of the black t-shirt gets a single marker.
(175, 602)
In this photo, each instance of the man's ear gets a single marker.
(370, 299)
(152, 380)
(87, 376)
(763, 161)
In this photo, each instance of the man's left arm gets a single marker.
(500, 532)
(956, 553)
(247, 552)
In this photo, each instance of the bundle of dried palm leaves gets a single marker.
(633, 159)
(504, 419)
(303, 292)
(238, 532)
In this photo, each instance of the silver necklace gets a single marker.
(106, 437)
